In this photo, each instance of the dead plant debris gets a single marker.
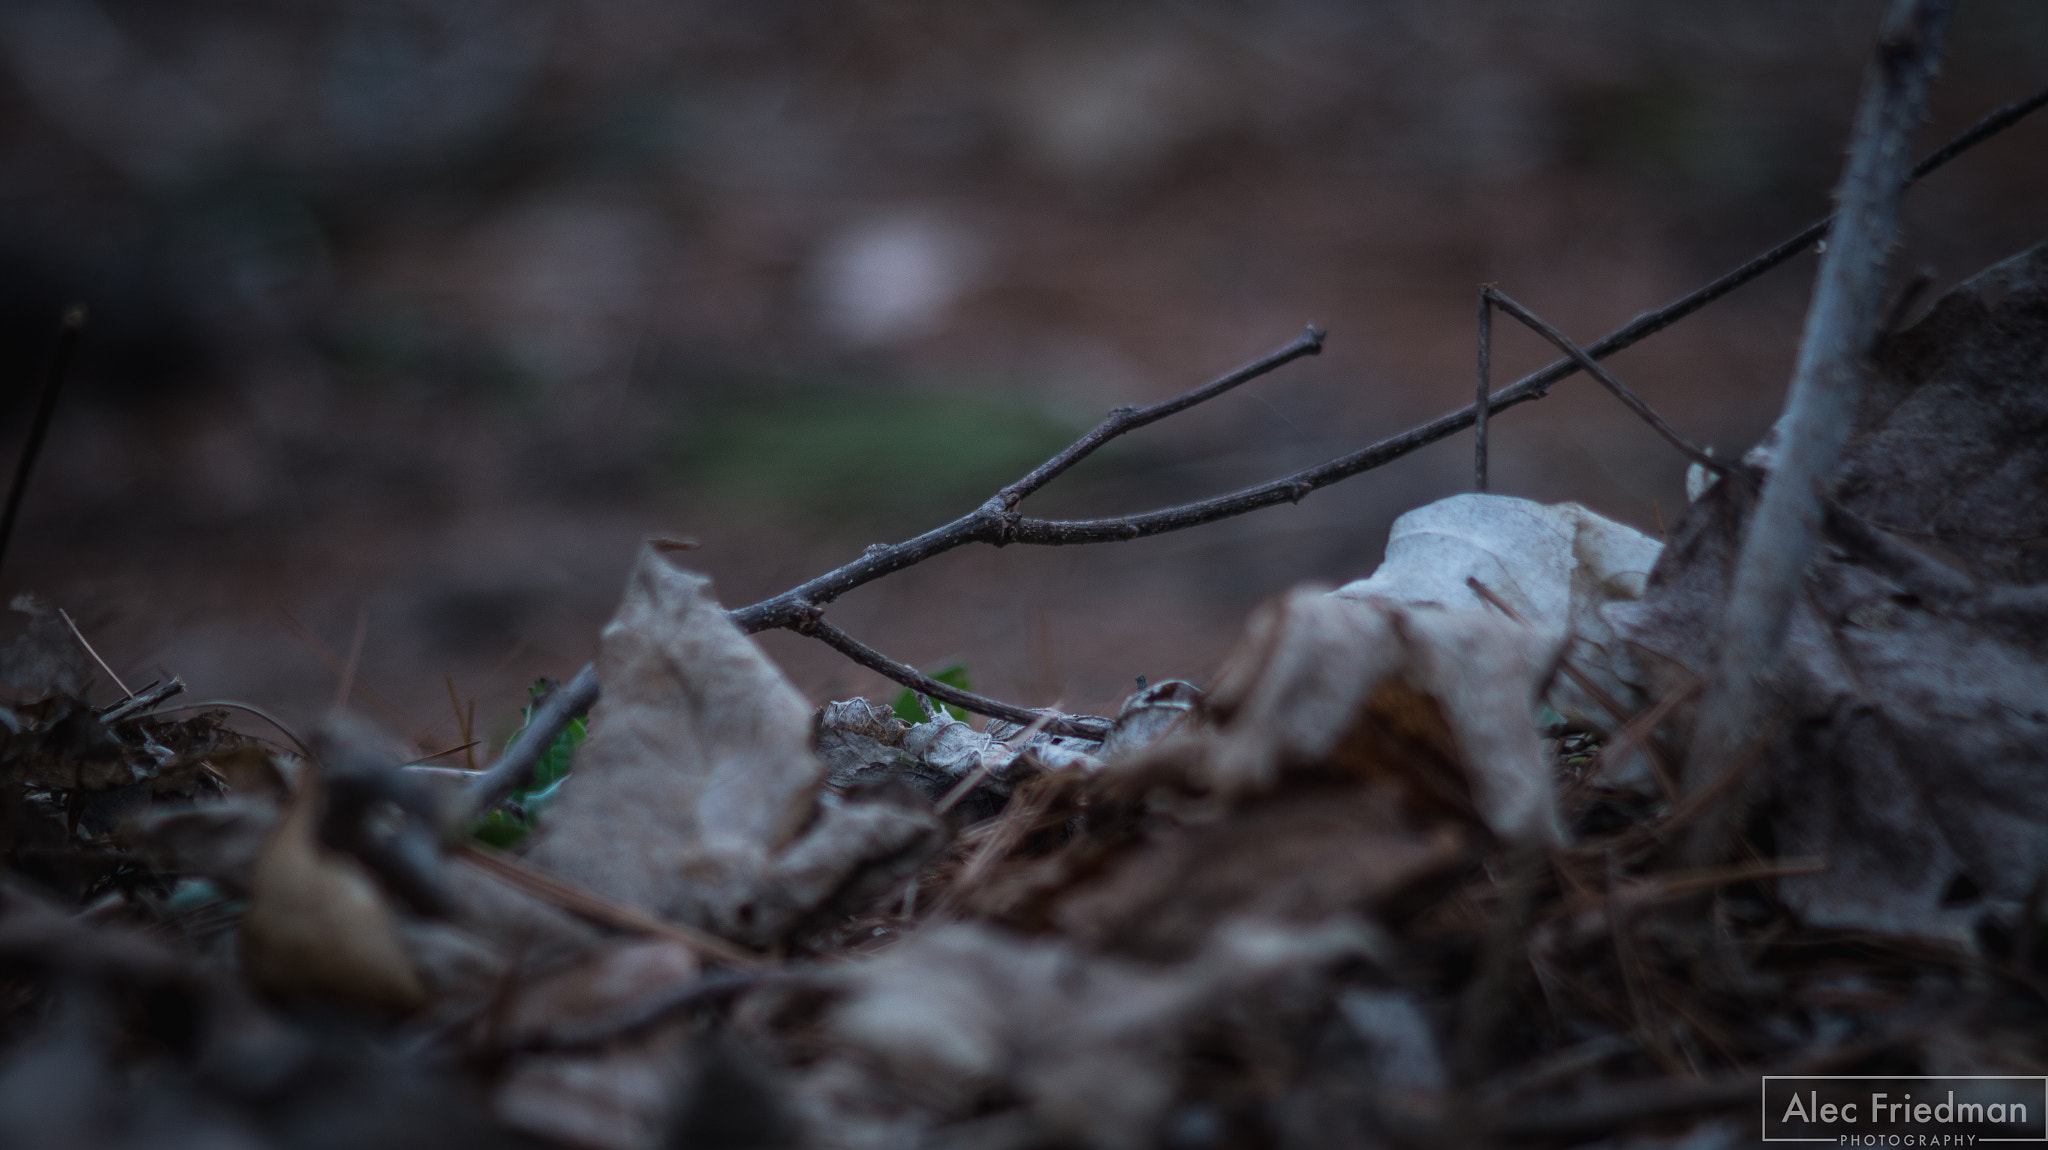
(1403, 876)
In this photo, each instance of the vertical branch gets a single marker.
(1484, 391)
(46, 407)
(1841, 323)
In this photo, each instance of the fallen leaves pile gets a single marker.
(1402, 875)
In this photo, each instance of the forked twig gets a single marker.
(997, 522)
(1618, 389)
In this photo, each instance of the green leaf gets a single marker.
(953, 676)
(512, 820)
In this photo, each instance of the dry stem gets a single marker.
(1841, 325)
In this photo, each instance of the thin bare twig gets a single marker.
(1483, 393)
(39, 430)
(1618, 389)
(1123, 419)
(391, 712)
(80, 636)
(355, 655)
(148, 699)
(1535, 385)
(993, 521)
(266, 716)
(515, 766)
(1841, 326)
(1084, 726)
(1001, 526)
(603, 911)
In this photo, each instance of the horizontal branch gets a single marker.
(996, 522)
(987, 523)
(1123, 419)
(1083, 726)
(996, 525)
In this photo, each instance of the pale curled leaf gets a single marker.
(1439, 699)
(699, 775)
(1557, 565)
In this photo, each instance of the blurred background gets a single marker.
(410, 318)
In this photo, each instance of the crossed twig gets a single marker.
(999, 522)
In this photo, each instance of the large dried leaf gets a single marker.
(1300, 855)
(1092, 1045)
(616, 987)
(699, 777)
(1555, 565)
(620, 1097)
(1914, 730)
(1439, 699)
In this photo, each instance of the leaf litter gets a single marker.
(1401, 876)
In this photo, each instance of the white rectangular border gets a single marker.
(1763, 1103)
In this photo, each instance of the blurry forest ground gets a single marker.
(424, 312)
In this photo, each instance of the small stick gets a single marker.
(1620, 390)
(80, 636)
(602, 911)
(259, 712)
(39, 430)
(390, 711)
(1483, 394)
(1123, 419)
(1827, 383)
(512, 769)
(1647, 1032)
(150, 697)
(444, 753)
(1636, 735)
(462, 724)
(989, 524)
(348, 666)
(1895, 315)
(1082, 726)
(995, 526)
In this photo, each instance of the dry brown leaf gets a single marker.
(699, 777)
(1914, 734)
(1297, 856)
(1092, 1045)
(317, 926)
(1438, 699)
(622, 1097)
(602, 993)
